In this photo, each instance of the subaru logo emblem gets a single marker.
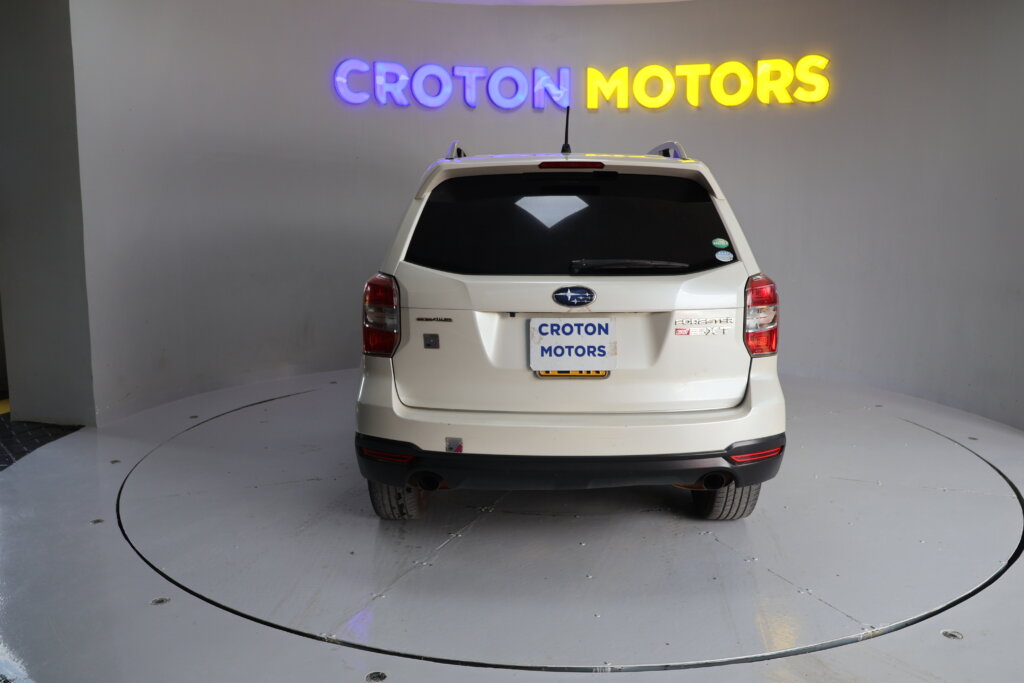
(573, 296)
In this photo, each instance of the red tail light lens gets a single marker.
(762, 316)
(381, 311)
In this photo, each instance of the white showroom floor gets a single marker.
(229, 537)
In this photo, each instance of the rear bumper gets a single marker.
(399, 463)
(761, 413)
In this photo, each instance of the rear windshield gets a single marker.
(594, 222)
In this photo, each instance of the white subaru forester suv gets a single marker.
(569, 321)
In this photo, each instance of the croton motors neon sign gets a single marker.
(730, 84)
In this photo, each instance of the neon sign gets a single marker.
(433, 86)
(730, 84)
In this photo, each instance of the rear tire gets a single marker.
(397, 502)
(728, 502)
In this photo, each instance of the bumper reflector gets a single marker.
(384, 456)
(760, 455)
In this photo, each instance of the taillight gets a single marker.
(571, 164)
(381, 310)
(762, 315)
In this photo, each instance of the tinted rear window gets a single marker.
(540, 223)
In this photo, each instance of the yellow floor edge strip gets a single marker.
(5, 406)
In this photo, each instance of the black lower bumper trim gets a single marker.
(400, 463)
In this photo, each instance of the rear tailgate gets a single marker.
(488, 253)
(678, 342)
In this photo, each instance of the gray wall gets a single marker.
(233, 206)
(42, 272)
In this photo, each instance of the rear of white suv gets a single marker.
(569, 321)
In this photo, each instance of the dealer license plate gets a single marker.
(573, 344)
(591, 374)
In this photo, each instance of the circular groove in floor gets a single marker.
(873, 521)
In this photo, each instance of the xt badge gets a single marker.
(701, 331)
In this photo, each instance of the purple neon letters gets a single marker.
(433, 86)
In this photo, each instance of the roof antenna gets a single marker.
(566, 149)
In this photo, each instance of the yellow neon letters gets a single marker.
(616, 86)
(692, 74)
(819, 84)
(645, 76)
(730, 84)
(744, 78)
(774, 76)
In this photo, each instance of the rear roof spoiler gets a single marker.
(670, 148)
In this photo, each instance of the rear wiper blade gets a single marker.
(584, 265)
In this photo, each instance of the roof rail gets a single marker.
(454, 151)
(670, 149)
